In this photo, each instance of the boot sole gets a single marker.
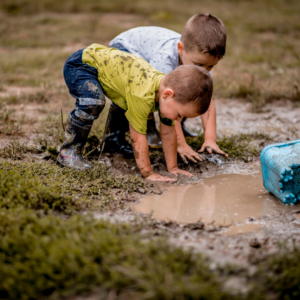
(68, 167)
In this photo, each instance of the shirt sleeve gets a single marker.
(137, 116)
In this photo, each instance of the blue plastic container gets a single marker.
(280, 166)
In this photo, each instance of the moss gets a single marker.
(42, 256)
(280, 274)
(95, 187)
(16, 191)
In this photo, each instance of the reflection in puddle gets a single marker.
(222, 199)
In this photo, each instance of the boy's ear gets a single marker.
(180, 48)
(168, 93)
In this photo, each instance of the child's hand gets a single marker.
(157, 177)
(177, 171)
(186, 152)
(211, 146)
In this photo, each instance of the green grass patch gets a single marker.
(95, 187)
(280, 274)
(43, 255)
(48, 256)
(16, 191)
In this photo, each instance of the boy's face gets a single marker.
(197, 58)
(169, 108)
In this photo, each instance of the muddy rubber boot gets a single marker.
(75, 137)
(187, 132)
(115, 130)
(153, 136)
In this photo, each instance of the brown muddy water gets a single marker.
(232, 200)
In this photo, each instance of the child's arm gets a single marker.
(169, 145)
(141, 153)
(210, 129)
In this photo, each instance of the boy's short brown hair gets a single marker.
(205, 32)
(191, 84)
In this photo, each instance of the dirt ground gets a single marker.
(256, 95)
(233, 117)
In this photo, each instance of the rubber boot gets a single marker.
(115, 130)
(75, 137)
(187, 132)
(153, 136)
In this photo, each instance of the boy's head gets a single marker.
(203, 41)
(185, 93)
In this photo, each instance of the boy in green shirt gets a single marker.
(135, 86)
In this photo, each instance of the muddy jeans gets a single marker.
(82, 81)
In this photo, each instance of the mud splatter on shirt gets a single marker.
(125, 82)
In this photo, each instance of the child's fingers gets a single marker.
(186, 173)
(194, 157)
(157, 177)
(167, 179)
(199, 157)
(221, 152)
(184, 159)
(209, 149)
(190, 157)
(182, 172)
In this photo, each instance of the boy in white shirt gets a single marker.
(202, 43)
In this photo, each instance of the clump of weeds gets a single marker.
(9, 125)
(16, 150)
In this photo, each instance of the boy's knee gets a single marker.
(88, 109)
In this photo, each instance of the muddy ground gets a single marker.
(280, 122)
(233, 117)
(256, 92)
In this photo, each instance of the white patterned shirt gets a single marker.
(157, 45)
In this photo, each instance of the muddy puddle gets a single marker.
(233, 200)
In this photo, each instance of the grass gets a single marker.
(9, 125)
(50, 245)
(96, 185)
(47, 250)
(16, 151)
(46, 256)
(260, 43)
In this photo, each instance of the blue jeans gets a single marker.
(84, 86)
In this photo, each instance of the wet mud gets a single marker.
(228, 200)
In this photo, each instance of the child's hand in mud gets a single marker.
(186, 152)
(212, 147)
(157, 177)
(177, 171)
